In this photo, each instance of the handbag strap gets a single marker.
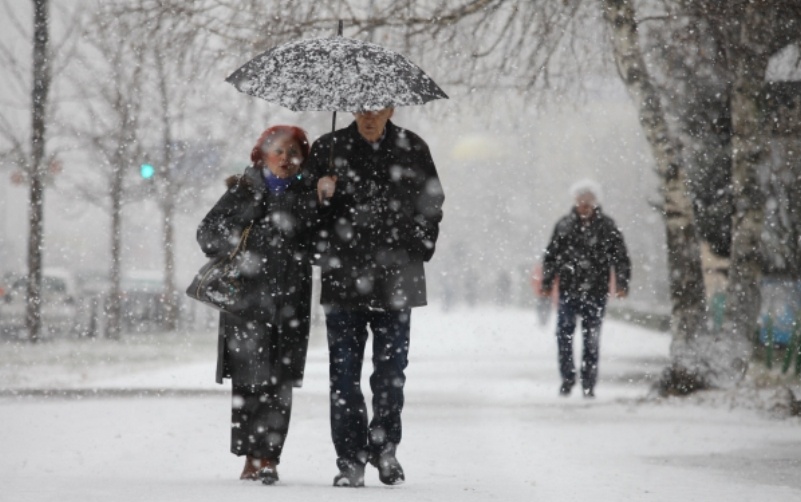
(243, 241)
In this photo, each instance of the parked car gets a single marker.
(6, 281)
(142, 300)
(60, 313)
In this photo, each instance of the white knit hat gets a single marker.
(586, 185)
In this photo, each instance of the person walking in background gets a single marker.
(263, 352)
(586, 245)
(383, 204)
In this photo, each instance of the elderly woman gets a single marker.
(263, 351)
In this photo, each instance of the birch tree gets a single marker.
(688, 357)
(730, 57)
(750, 32)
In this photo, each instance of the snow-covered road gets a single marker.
(482, 422)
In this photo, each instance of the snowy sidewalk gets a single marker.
(482, 422)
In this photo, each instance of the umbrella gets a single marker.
(335, 74)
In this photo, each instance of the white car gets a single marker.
(59, 308)
(143, 300)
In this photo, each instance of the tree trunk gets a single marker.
(689, 369)
(171, 298)
(114, 308)
(743, 297)
(167, 204)
(41, 85)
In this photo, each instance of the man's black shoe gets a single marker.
(565, 388)
(268, 474)
(589, 392)
(351, 473)
(390, 471)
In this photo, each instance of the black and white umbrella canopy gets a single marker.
(335, 74)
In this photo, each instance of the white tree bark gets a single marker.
(690, 368)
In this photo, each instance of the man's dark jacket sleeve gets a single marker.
(619, 259)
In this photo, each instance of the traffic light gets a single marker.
(146, 171)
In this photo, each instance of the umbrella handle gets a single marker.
(333, 140)
(331, 150)
(340, 24)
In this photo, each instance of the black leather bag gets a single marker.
(220, 283)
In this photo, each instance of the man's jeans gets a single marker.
(591, 311)
(347, 336)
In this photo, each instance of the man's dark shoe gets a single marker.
(390, 471)
(589, 392)
(268, 474)
(565, 388)
(351, 473)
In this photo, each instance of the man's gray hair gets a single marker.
(586, 185)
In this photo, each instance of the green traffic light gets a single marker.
(147, 171)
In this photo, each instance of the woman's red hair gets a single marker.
(277, 131)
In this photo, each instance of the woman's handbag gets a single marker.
(220, 283)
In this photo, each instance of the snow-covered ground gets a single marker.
(143, 420)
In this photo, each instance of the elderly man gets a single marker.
(382, 209)
(586, 245)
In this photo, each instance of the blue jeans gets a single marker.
(591, 311)
(347, 336)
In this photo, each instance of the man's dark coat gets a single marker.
(382, 222)
(581, 254)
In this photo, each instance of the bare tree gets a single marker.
(108, 81)
(137, 99)
(39, 97)
(170, 82)
(174, 54)
(527, 45)
(772, 24)
(743, 52)
(689, 357)
(686, 64)
(33, 160)
(703, 51)
(35, 164)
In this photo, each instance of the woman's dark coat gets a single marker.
(382, 222)
(581, 254)
(269, 344)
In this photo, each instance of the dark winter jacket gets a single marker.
(269, 344)
(581, 255)
(382, 222)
